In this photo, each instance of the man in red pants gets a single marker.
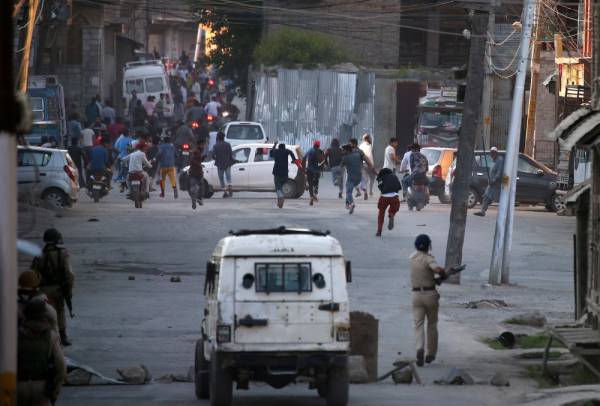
(389, 185)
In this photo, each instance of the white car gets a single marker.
(253, 172)
(276, 311)
(46, 174)
(244, 132)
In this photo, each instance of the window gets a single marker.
(262, 155)
(484, 161)
(526, 167)
(447, 120)
(283, 277)
(154, 85)
(135, 84)
(37, 107)
(33, 158)
(432, 155)
(244, 132)
(241, 155)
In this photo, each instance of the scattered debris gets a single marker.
(533, 319)
(93, 220)
(169, 378)
(137, 374)
(357, 369)
(500, 379)
(175, 279)
(400, 375)
(131, 278)
(507, 339)
(78, 377)
(456, 377)
(486, 304)
(421, 225)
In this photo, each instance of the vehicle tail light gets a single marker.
(342, 334)
(70, 173)
(209, 117)
(211, 82)
(185, 146)
(195, 124)
(437, 171)
(223, 333)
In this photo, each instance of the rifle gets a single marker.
(452, 271)
(68, 296)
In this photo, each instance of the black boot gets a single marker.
(64, 340)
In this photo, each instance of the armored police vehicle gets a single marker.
(276, 312)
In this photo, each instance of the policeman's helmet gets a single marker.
(29, 280)
(52, 235)
(423, 242)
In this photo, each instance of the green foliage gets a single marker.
(290, 47)
(237, 30)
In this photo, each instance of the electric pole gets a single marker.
(466, 142)
(504, 222)
(533, 88)
(488, 83)
(596, 56)
(8, 213)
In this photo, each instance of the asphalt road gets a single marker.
(155, 322)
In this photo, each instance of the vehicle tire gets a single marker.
(221, 383)
(473, 198)
(337, 386)
(209, 191)
(201, 372)
(444, 199)
(96, 196)
(556, 203)
(289, 189)
(55, 198)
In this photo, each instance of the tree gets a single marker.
(236, 31)
(290, 47)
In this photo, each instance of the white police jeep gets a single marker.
(276, 312)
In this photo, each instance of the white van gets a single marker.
(148, 78)
(276, 312)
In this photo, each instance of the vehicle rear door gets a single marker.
(261, 170)
(284, 304)
(481, 170)
(240, 171)
(532, 186)
(31, 171)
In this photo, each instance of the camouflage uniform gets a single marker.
(41, 366)
(54, 268)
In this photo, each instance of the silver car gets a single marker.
(46, 174)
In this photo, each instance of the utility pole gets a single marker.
(488, 83)
(596, 56)
(466, 142)
(504, 222)
(24, 70)
(8, 213)
(533, 88)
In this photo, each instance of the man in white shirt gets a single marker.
(213, 107)
(137, 161)
(368, 176)
(390, 159)
(405, 164)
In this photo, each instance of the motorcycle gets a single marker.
(97, 187)
(184, 155)
(138, 189)
(417, 196)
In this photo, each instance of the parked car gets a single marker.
(244, 132)
(253, 172)
(536, 183)
(46, 174)
(276, 311)
(440, 160)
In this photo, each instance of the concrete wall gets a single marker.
(545, 113)
(385, 116)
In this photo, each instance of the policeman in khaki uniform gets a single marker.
(54, 268)
(41, 366)
(28, 292)
(425, 298)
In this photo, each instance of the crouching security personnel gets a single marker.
(41, 366)
(425, 298)
(56, 278)
(29, 282)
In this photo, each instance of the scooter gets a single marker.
(97, 187)
(417, 196)
(137, 192)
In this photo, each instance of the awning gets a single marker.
(581, 128)
(573, 195)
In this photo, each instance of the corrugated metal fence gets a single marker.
(300, 106)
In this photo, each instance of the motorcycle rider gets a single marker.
(99, 162)
(184, 135)
(418, 167)
(136, 162)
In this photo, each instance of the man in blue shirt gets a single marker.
(123, 145)
(280, 169)
(166, 159)
(99, 160)
(313, 161)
